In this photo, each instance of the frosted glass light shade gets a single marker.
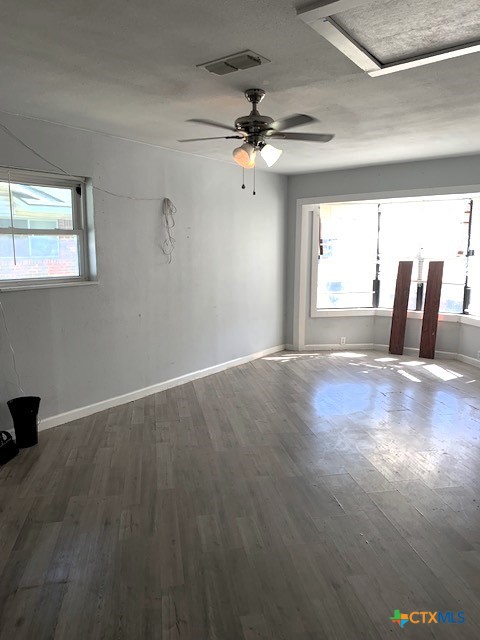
(270, 154)
(245, 155)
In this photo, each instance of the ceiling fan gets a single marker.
(257, 130)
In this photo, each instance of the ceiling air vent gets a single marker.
(235, 62)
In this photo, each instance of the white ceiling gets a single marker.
(129, 69)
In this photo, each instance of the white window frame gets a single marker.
(82, 222)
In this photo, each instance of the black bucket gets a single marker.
(24, 412)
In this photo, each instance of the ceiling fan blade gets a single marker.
(308, 137)
(215, 138)
(294, 120)
(212, 123)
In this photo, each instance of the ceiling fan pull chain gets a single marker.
(254, 181)
(243, 178)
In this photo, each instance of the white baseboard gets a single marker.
(83, 412)
(475, 362)
(380, 347)
(413, 351)
(330, 347)
(337, 347)
(410, 351)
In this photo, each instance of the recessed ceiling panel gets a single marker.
(400, 29)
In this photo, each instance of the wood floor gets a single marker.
(298, 497)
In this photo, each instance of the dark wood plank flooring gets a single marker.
(298, 497)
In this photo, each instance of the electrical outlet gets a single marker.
(343, 340)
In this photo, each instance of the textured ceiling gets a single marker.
(397, 29)
(129, 69)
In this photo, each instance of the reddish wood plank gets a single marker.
(430, 311)
(400, 304)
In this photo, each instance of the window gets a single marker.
(346, 255)
(361, 244)
(421, 231)
(43, 229)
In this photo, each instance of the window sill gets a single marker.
(346, 313)
(341, 313)
(442, 317)
(46, 285)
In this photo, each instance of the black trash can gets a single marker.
(24, 412)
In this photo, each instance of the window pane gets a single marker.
(451, 298)
(422, 231)
(6, 222)
(36, 207)
(39, 256)
(344, 300)
(346, 264)
(388, 280)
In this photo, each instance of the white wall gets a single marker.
(146, 321)
(450, 175)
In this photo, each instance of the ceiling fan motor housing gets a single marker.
(254, 125)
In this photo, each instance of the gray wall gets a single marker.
(447, 334)
(356, 330)
(469, 341)
(389, 180)
(147, 321)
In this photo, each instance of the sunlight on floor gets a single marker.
(398, 364)
(286, 357)
(408, 375)
(347, 354)
(440, 372)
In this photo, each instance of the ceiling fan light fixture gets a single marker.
(270, 154)
(245, 155)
